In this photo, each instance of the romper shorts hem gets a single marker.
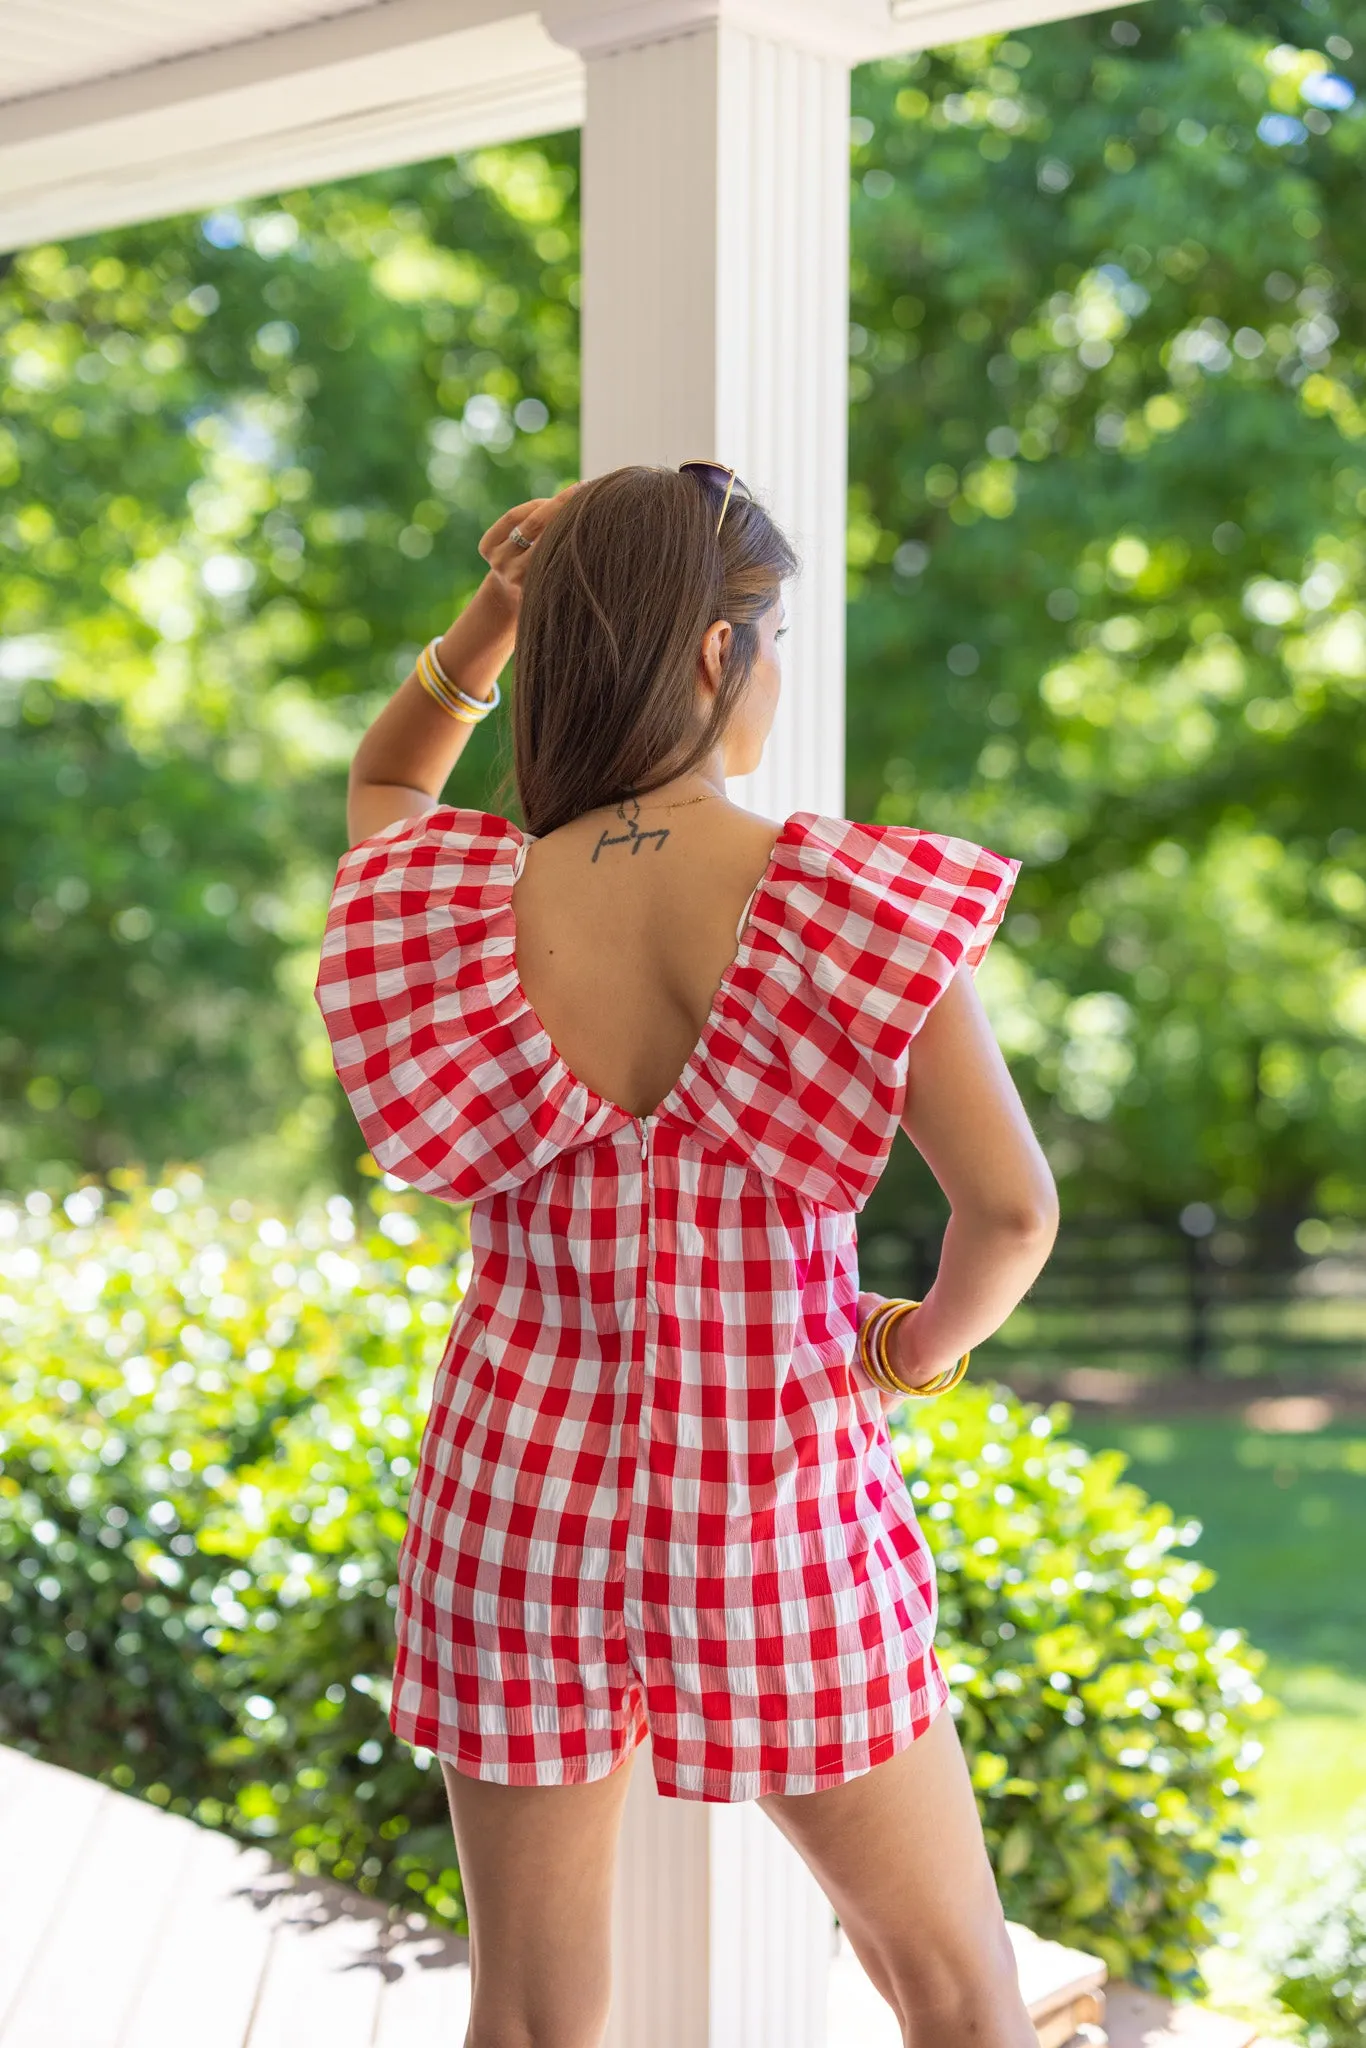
(708, 1787)
(573, 1770)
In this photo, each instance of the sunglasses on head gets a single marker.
(721, 477)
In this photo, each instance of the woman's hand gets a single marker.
(507, 558)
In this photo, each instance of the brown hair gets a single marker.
(623, 584)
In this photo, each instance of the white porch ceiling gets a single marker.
(121, 110)
(306, 93)
(46, 44)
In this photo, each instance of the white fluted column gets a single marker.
(715, 319)
(715, 323)
(720, 1937)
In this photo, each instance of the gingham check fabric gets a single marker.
(655, 1492)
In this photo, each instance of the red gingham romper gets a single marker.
(655, 1492)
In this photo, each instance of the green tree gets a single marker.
(245, 467)
(1108, 551)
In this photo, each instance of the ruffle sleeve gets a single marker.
(888, 920)
(442, 1063)
(851, 942)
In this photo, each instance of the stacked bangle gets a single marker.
(454, 701)
(872, 1351)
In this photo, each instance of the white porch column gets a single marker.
(715, 323)
(715, 305)
(720, 1936)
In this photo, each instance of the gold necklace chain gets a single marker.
(684, 801)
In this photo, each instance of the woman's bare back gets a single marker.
(626, 922)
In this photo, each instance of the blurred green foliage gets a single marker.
(1318, 1948)
(208, 1433)
(246, 464)
(209, 1429)
(1109, 1726)
(1108, 559)
(1107, 545)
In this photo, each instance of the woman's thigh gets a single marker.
(899, 1854)
(537, 1863)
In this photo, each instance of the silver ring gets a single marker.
(519, 539)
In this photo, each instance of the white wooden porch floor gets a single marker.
(125, 1927)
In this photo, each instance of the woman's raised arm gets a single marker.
(402, 763)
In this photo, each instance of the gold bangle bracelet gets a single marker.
(451, 710)
(877, 1343)
(942, 1381)
(872, 1352)
(865, 1330)
(431, 674)
(875, 1362)
(481, 706)
(445, 694)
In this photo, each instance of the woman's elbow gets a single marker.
(1025, 1216)
(1043, 1214)
(1033, 1224)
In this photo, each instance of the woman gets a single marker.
(662, 1046)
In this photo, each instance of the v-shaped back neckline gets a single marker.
(744, 946)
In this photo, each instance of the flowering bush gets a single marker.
(208, 1422)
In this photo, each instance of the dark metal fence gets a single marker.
(1198, 1294)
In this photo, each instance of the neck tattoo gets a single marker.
(628, 810)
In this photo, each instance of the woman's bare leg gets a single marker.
(899, 1854)
(537, 1863)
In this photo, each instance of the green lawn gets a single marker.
(1285, 1529)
